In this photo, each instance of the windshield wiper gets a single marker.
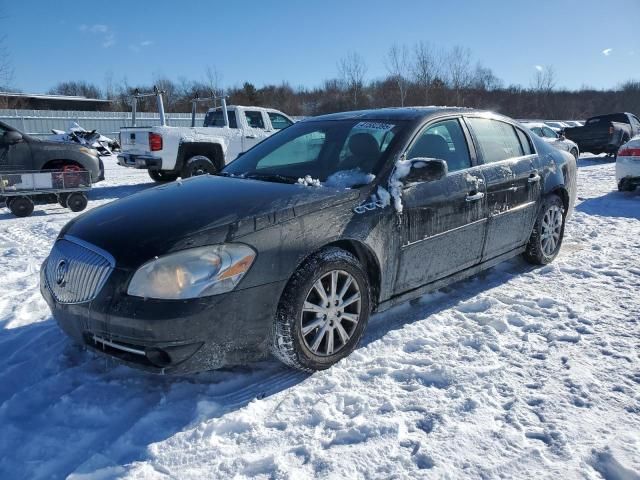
(271, 177)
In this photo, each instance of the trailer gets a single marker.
(22, 190)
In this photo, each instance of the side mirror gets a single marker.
(425, 170)
(11, 137)
(561, 137)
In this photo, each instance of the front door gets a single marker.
(14, 156)
(443, 223)
(511, 171)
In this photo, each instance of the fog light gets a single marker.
(158, 357)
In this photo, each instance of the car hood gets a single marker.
(199, 211)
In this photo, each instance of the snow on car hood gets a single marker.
(216, 209)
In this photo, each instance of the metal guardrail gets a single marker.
(39, 123)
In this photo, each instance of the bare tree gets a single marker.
(213, 80)
(399, 66)
(427, 66)
(459, 71)
(484, 79)
(352, 69)
(544, 80)
(80, 88)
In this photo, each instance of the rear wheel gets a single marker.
(323, 311)
(548, 232)
(77, 201)
(198, 165)
(162, 177)
(21, 206)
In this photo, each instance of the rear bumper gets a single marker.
(142, 161)
(628, 169)
(171, 337)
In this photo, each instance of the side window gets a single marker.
(635, 122)
(305, 148)
(254, 119)
(547, 132)
(525, 143)
(444, 140)
(216, 119)
(496, 140)
(279, 121)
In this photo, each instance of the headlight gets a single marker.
(89, 151)
(192, 273)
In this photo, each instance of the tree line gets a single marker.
(419, 74)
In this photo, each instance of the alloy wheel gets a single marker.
(330, 313)
(551, 230)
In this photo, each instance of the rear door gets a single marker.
(511, 169)
(443, 223)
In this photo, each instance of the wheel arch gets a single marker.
(213, 151)
(367, 259)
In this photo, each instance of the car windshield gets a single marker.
(339, 153)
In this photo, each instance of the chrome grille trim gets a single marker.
(86, 270)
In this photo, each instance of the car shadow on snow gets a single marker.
(613, 204)
(54, 389)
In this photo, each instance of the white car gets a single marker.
(628, 165)
(552, 138)
(556, 126)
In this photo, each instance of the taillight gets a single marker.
(155, 141)
(629, 152)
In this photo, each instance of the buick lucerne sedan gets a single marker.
(295, 243)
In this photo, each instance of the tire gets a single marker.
(574, 152)
(21, 206)
(548, 232)
(329, 323)
(162, 177)
(77, 201)
(198, 165)
(62, 199)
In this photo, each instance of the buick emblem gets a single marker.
(61, 272)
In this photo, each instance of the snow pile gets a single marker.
(349, 178)
(309, 182)
(401, 170)
(518, 372)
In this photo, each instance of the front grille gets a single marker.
(76, 271)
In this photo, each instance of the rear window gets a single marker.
(216, 119)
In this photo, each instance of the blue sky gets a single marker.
(593, 42)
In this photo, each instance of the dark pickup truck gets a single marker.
(605, 133)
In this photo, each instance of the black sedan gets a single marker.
(296, 242)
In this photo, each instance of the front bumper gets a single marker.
(143, 161)
(171, 336)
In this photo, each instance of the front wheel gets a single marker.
(323, 311)
(198, 165)
(162, 177)
(546, 238)
(21, 206)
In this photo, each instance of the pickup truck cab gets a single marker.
(605, 133)
(172, 152)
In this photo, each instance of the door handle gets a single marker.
(250, 136)
(472, 197)
(534, 178)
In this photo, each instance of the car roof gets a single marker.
(398, 113)
(534, 124)
(233, 107)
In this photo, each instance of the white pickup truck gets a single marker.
(172, 152)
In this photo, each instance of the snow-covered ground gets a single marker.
(520, 372)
